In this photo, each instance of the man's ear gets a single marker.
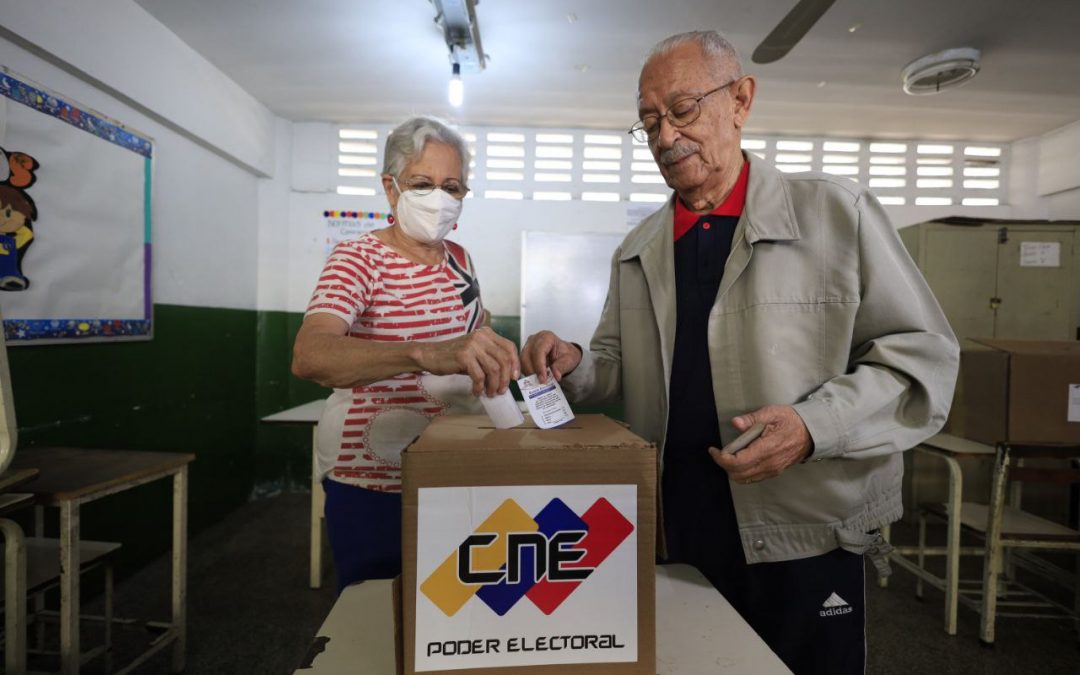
(743, 93)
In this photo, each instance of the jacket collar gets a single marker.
(768, 214)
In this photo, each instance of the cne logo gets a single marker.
(512, 555)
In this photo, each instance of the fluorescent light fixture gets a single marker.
(457, 87)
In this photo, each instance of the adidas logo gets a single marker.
(835, 605)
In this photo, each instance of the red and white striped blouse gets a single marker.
(385, 297)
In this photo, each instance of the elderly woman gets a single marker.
(397, 328)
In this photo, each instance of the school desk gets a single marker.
(308, 414)
(71, 477)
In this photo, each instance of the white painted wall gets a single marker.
(273, 250)
(489, 229)
(120, 47)
(204, 206)
(1045, 175)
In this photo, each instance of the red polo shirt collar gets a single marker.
(685, 219)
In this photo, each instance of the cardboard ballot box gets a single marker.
(1019, 391)
(529, 550)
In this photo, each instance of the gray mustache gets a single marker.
(677, 152)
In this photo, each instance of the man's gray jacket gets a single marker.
(820, 307)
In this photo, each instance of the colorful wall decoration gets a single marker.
(74, 220)
(344, 225)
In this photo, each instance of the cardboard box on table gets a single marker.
(1020, 392)
(529, 550)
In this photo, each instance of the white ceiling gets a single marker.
(379, 60)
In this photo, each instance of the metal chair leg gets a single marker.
(318, 501)
(921, 555)
(108, 658)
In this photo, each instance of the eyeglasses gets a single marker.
(424, 187)
(682, 113)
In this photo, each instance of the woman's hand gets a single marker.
(487, 358)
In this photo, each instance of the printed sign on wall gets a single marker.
(345, 225)
(526, 575)
(74, 220)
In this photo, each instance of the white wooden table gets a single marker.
(309, 414)
(697, 631)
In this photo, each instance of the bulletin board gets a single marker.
(75, 255)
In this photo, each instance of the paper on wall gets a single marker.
(1074, 403)
(1040, 254)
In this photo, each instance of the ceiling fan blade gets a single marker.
(790, 30)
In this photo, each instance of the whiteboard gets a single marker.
(564, 282)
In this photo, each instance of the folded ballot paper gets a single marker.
(546, 403)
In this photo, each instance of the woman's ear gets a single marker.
(391, 191)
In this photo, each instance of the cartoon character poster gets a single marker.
(17, 216)
(74, 220)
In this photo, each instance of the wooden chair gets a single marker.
(13, 537)
(1009, 536)
(1008, 528)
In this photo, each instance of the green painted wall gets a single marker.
(199, 386)
(187, 390)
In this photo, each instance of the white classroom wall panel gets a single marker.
(274, 196)
(119, 44)
(204, 207)
(1058, 169)
(489, 229)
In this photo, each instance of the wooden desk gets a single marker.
(71, 477)
(697, 631)
(309, 414)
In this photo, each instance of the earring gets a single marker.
(454, 227)
(390, 219)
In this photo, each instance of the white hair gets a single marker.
(407, 141)
(721, 54)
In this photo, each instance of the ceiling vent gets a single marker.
(937, 72)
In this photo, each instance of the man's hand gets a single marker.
(489, 359)
(546, 350)
(784, 442)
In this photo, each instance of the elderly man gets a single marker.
(756, 297)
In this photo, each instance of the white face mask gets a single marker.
(427, 218)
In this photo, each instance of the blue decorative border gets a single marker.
(24, 330)
(63, 329)
(45, 102)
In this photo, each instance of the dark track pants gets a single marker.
(811, 612)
